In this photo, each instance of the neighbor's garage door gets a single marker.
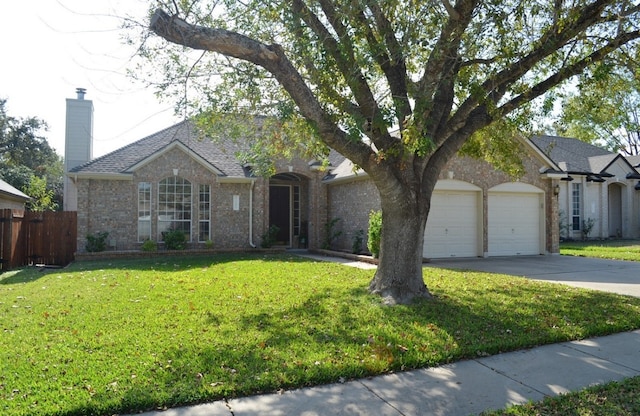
(514, 220)
(453, 225)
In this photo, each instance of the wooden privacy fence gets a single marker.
(48, 238)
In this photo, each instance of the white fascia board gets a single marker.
(359, 176)
(234, 179)
(100, 176)
(555, 175)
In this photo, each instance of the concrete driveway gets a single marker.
(615, 276)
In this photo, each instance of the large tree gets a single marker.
(27, 161)
(397, 86)
(605, 107)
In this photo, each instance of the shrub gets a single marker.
(587, 227)
(356, 247)
(149, 245)
(330, 233)
(97, 242)
(174, 239)
(375, 233)
(270, 237)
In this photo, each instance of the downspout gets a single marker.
(253, 182)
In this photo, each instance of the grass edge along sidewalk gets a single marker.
(124, 336)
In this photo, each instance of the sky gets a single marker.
(51, 47)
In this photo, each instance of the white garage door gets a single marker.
(452, 225)
(514, 223)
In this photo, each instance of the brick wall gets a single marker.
(352, 200)
(111, 205)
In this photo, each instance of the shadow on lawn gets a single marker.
(319, 340)
(25, 275)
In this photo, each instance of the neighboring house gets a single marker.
(173, 179)
(600, 196)
(11, 198)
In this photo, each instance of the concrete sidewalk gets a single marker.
(462, 388)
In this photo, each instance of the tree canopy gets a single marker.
(28, 162)
(396, 86)
(605, 107)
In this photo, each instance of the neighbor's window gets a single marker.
(576, 204)
(204, 214)
(174, 205)
(144, 211)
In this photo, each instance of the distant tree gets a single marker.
(42, 198)
(397, 86)
(25, 153)
(605, 109)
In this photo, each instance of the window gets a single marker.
(296, 210)
(144, 211)
(204, 214)
(174, 205)
(576, 204)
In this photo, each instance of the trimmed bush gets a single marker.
(375, 233)
(97, 242)
(174, 239)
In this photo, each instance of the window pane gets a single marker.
(174, 205)
(204, 213)
(144, 211)
(576, 206)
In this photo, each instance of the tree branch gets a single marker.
(271, 58)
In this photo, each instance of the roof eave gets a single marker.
(101, 175)
(234, 179)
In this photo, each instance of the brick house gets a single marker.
(600, 191)
(175, 179)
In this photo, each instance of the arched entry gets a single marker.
(615, 210)
(287, 196)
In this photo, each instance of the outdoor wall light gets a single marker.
(556, 190)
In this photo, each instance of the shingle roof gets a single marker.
(573, 155)
(634, 160)
(221, 154)
(9, 190)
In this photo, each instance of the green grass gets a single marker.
(121, 336)
(606, 249)
(612, 399)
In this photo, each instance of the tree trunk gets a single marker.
(398, 278)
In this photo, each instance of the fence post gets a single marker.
(5, 238)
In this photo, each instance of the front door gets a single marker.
(280, 212)
(615, 211)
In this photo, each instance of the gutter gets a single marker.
(251, 243)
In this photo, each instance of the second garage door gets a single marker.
(453, 224)
(515, 220)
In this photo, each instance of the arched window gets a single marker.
(174, 205)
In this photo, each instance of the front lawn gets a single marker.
(618, 398)
(604, 249)
(122, 336)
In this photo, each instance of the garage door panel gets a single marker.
(452, 225)
(514, 224)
